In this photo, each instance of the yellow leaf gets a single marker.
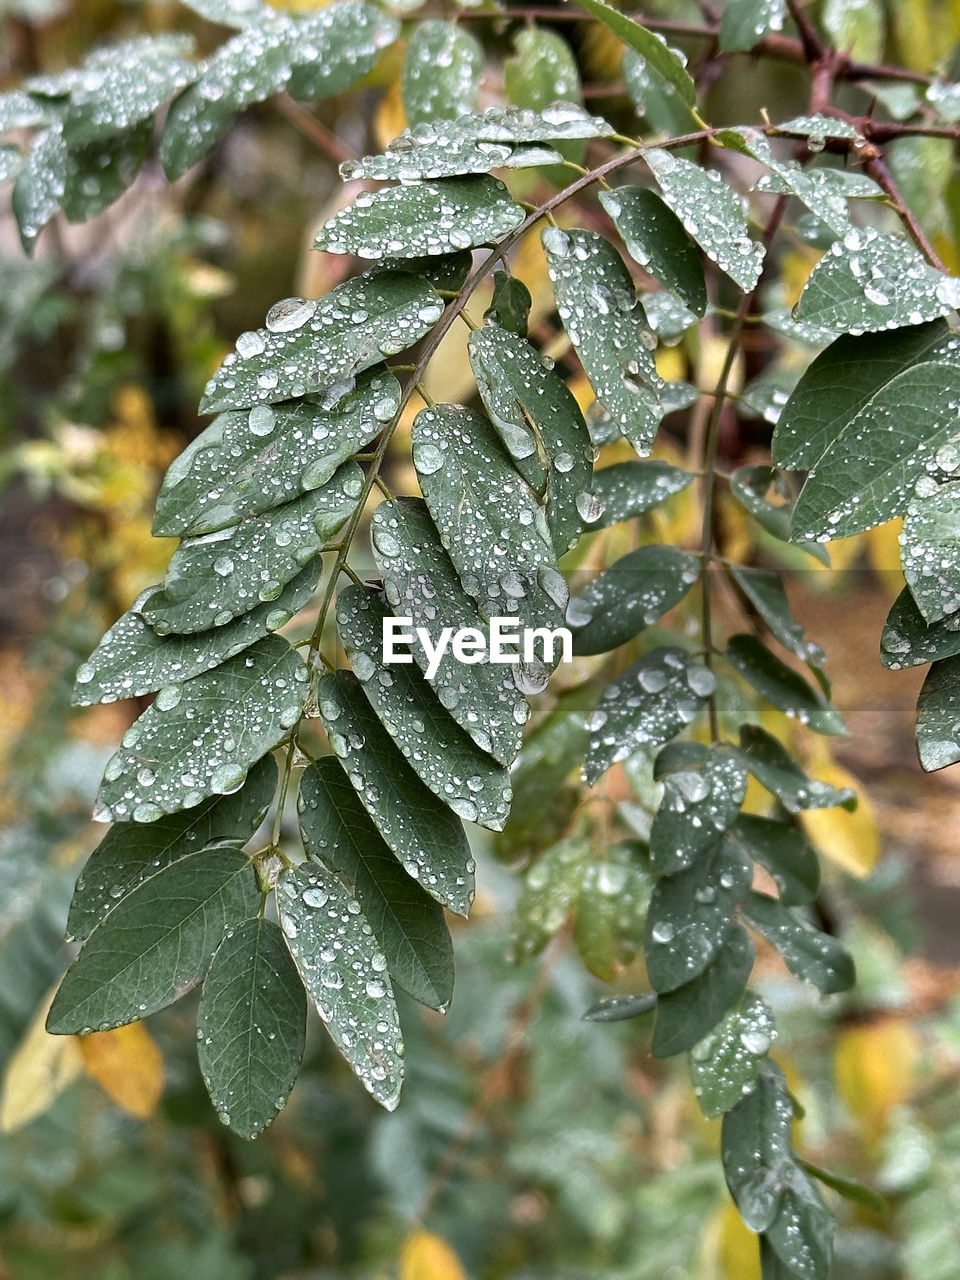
(39, 1070)
(427, 1257)
(851, 840)
(128, 1065)
(883, 552)
(874, 1066)
(671, 363)
(390, 119)
(738, 1248)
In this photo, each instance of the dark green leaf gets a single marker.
(686, 1014)
(656, 697)
(655, 237)
(628, 489)
(407, 923)
(345, 974)
(129, 854)
(441, 73)
(510, 305)
(40, 185)
(703, 789)
(750, 485)
(309, 346)
(775, 768)
(929, 543)
(200, 738)
(781, 686)
(843, 380)
(219, 576)
(420, 582)
(251, 1027)
(908, 641)
(938, 716)
(619, 1008)
(649, 45)
(605, 322)
(541, 425)
(784, 852)
(439, 751)
(765, 591)
(420, 219)
(629, 596)
(253, 460)
(849, 1188)
(419, 828)
(157, 943)
(725, 1063)
(813, 956)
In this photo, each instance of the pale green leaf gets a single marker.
(548, 895)
(441, 72)
(725, 1064)
(744, 23)
(543, 69)
(100, 171)
(40, 185)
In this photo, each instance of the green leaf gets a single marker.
(869, 473)
(420, 582)
(510, 304)
(771, 1190)
(781, 686)
(407, 923)
(648, 45)
(686, 1014)
(929, 543)
(938, 716)
(548, 895)
(744, 23)
(619, 1008)
(656, 697)
(703, 789)
(316, 56)
(849, 1188)
(811, 955)
(750, 485)
(629, 596)
(870, 281)
(99, 172)
(775, 769)
(611, 910)
(157, 943)
(653, 98)
(19, 110)
(655, 237)
(130, 854)
(604, 320)
(541, 425)
(908, 640)
(200, 738)
(818, 129)
(441, 73)
(628, 489)
(219, 576)
(713, 215)
(784, 852)
(725, 1064)
(10, 161)
(421, 219)
(230, 13)
(765, 591)
(439, 751)
(857, 27)
(689, 920)
(500, 137)
(250, 461)
(309, 346)
(427, 838)
(843, 380)
(345, 974)
(251, 1027)
(40, 185)
(489, 520)
(132, 659)
(542, 71)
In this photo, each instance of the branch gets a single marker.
(877, 169)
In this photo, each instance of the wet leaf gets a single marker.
(750, 485)
(605, 322)
(200, 738)
(441, 73)
(157, 943)
(345, 974)
(611, 909)
(99, 172)
(909, 641)
(543, 70)
(773, 766)
(251, 1027)
(40, 185)
(725, 1064)
(655, 237)
(781, 686)
(407, 923)
(548, 895)
(627, 489)
(929, 546)
(510, 305)
(619, 1008)
(938, 716)
(439, 751)
(703, 789)
(744, 23)
(765, 591)
(629, 596)
(648, 45)
(811, 955)
(217, 577)
(426, 837)
(784, 852)
(541, 425)
(686, 1014)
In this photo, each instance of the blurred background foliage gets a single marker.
(529, 1144)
